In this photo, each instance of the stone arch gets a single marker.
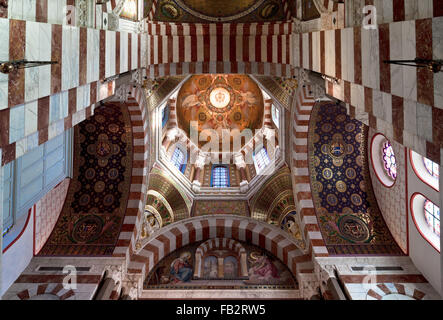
(220, 243)
(45, 291)
(382, 290)
(191, 230)
(136, 102)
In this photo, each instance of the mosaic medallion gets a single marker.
(353, 228)
(87, 229)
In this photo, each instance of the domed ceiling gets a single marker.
(220, 102)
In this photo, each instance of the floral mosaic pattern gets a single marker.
(349, 218)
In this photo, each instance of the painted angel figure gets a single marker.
(181, 269)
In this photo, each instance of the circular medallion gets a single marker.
(170, 11)
(362, 185)
(269, 10)
(90, 127)
(90, 173)
(237, 116)
(113, 174)
(338, 162)
(220, 97)
(337, 149)
(332, 199)
(108, 200)
(340, 118)
(327, 173)
(356, 199)
(113, 128)
(353, 228)
(103, 149)
(350, 173)
(87, 229)
(99, 118)
(341, 186)
(317, 186)
(316, 161)
(349, 127)
(326, 127)
(359, 160)
(84, 199)
(99, 186)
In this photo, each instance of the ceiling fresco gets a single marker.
(95, 205)
(219, 11)
(218, 102)
(220, 268)
(349, 218)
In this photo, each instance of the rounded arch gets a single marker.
(395, 291)
(191, 230)
(418, 216)
(417, 163)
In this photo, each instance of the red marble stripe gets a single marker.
(8, 153)
(117, 52)
(102, 66)
(17, 46)
(192, 30)
(347, 95)
(139, 51)
(269, 49)
(385, 68)
(83, 56)
(178, 237)
(235, 230)
(399, 10)
(205, 229)
(206, 43)
(258, 56)
(437, 126)
(438, 8)
(72, 101)
(425, 79)
(322, 52)
(368, 100)
(93, 93)
(219, 41)
(433, 152)
(220, 228)
(160, 50)
(245, 45)
(4, 125)
(357, 56)
(337, 54)
(4, 11)
(41, 13)
(191, 231)
(398, 118)
(166, 245)
(279, 49)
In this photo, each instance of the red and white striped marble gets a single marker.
(300, 168)
(177, 235)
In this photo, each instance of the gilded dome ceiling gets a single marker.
(220, 102)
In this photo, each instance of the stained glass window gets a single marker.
(432, 215)
(275, 116)
(261, 159)
(432, 167)
(390, 162)
(178, 159)
(165, 115)
(220, 177)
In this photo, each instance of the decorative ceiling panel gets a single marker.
(349, 218)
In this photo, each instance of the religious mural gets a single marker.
(95, 205)
(221, 101)
(220, 268)
(214, 11)
(347, 211)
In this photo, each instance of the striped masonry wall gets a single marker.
(304, 103)
(182, 48)
(137, 197)
(177, 235)
(404, 103)
(39, 103)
